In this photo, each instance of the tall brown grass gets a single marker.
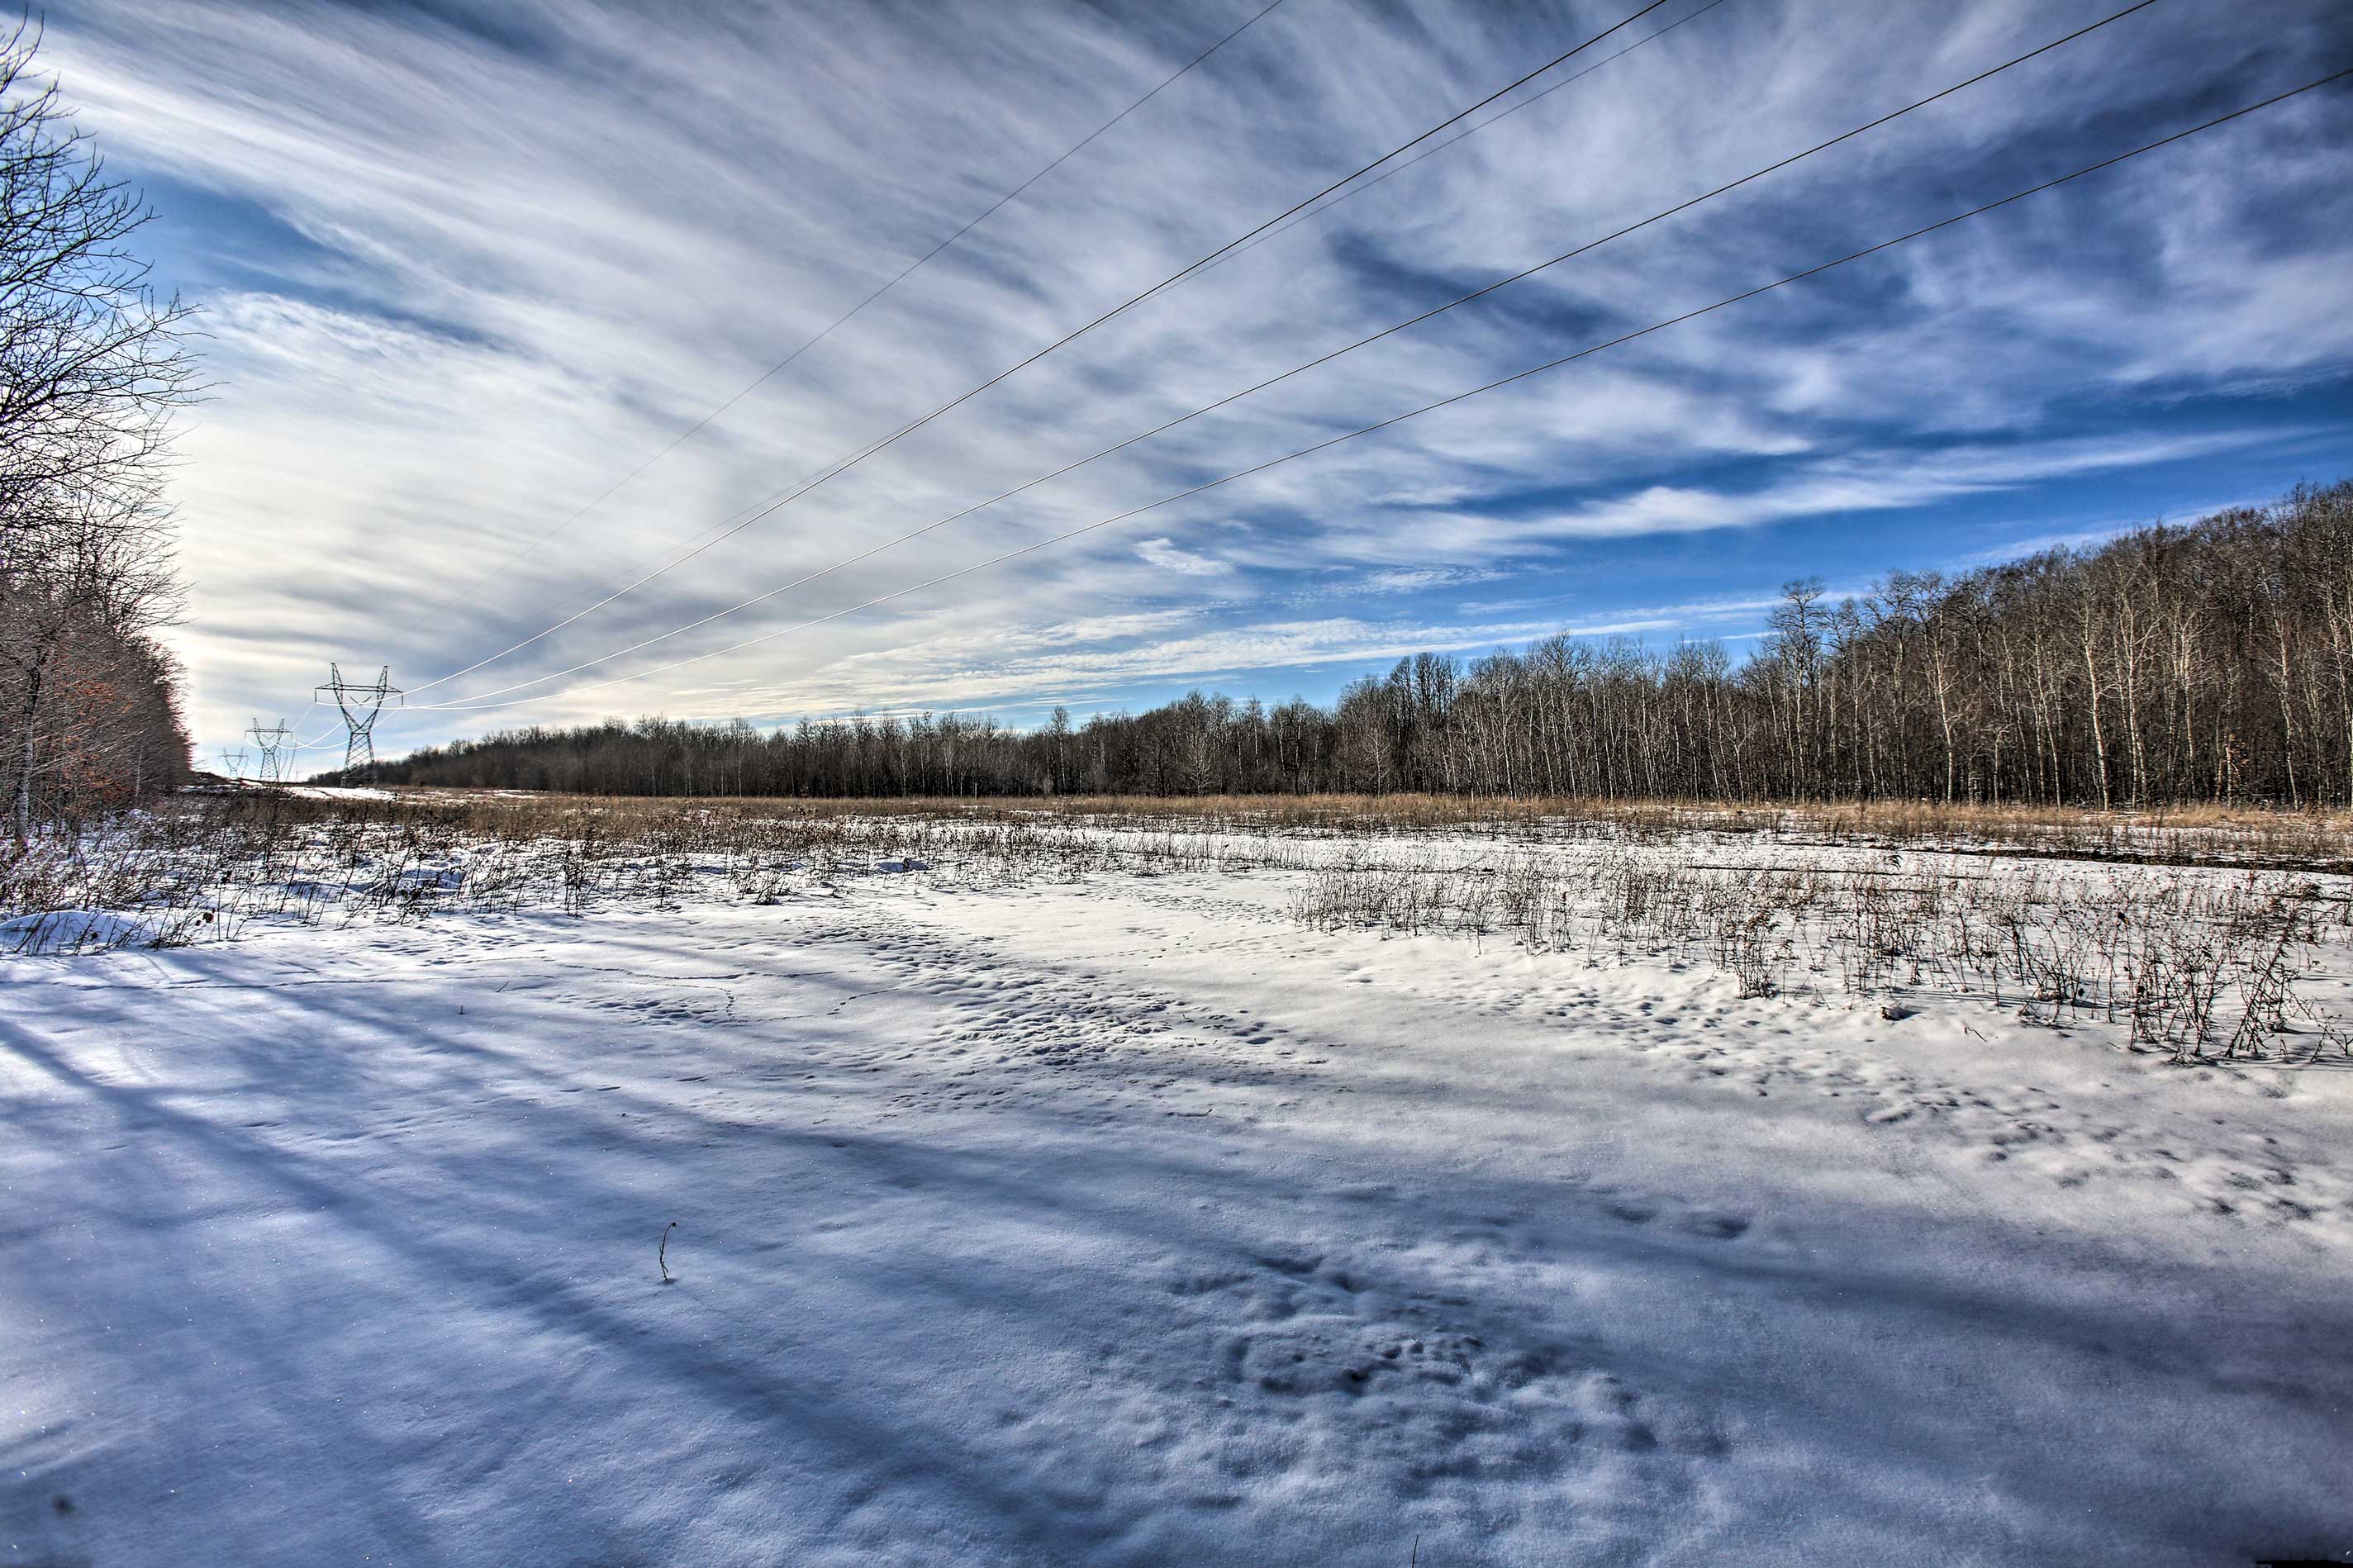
(2191, 929)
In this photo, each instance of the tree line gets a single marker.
(91, 366)
(2211, 662)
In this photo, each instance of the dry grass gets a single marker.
(2192, 927)
(2197, 964)
(2238, 835)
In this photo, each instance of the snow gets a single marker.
(53, 931)
(445, 878)
(1128, 1220)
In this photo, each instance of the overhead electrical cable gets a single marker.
(846, 464)
(1529, 103)
(304, 745)
(1325, 359)
(844, 319)
(1430, 408)
(726, 523)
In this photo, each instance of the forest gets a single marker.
(2173, 665)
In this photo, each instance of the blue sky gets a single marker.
(463, 270)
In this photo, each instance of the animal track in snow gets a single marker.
(1403, 1389)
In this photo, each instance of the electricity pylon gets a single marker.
(360, 706)
(234, 761)
(272, 743)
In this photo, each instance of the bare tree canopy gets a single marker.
(2173, 665)
(92, 364)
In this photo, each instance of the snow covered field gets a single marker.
(1129, 1219)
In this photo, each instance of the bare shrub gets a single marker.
(2186, 961)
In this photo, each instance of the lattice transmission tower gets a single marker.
(234, 761)
(273, 747)
(360, 706)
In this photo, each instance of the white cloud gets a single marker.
(532, 252)
(1166, 557)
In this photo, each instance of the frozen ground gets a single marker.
(1132, 1221)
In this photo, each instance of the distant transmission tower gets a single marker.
(273, 744)
(234, 761)
(360, 706)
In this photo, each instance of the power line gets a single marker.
(1530, 101)
(1325, 359)
(303, 715)
(845, 465)
(901, 275)
(726, 523)
(306, 744)
(1442, 402)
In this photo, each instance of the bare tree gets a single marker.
(2171, 665)
(92, 364)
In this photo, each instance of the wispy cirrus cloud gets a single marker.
(1165, 556)
(466, 268)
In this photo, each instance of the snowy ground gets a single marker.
(1129, 1221)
